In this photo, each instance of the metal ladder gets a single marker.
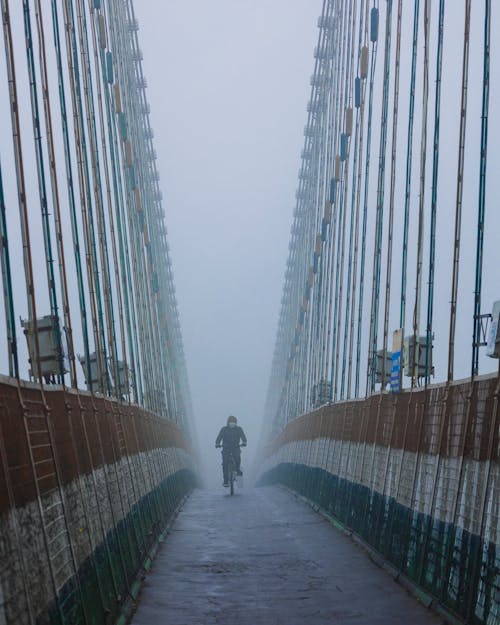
(60, 556)
(134, 513)
(12, 558)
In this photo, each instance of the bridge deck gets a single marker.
(262, 557)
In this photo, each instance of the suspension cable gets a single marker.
(379, 220)
(141, 228)
(333, 192)
(347, 356)
(420, 236)
(459, 193)
(321, 145)
(121, 261)
(476, 339)
(339, 211)
(390, 229)
(86, 203)
(435, 169)
(138, 228)
(125, 253)
(138, 225)
(324, 200)
(360, 117)
(107, 294)
(409, 162)
(21, 187)
(55, 195)
(374, 42)
(42, 187)
(344, 157)
(8, 296)
(71, 190)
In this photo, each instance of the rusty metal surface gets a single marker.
(85, 433)
(265, 558)
(86, 484)
(417, 476)
(451, 421)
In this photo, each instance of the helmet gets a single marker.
(232, 419)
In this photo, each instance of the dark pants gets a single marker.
(226, 452)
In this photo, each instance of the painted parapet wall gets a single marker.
(417, 477)
(87, 485)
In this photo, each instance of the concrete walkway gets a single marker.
(264, 558)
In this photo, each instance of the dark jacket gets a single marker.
(230, 437)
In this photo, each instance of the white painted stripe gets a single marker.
(108, 494)
(423, 483)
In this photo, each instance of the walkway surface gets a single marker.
(263, 557)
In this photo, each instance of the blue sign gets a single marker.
(396, 372)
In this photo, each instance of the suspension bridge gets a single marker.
(382, 410)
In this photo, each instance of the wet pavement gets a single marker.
(263, 557)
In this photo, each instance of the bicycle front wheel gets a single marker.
(230, 471)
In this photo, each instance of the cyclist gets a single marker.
(230, 437)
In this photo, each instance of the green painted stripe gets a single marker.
(444, 565)
(109, 580)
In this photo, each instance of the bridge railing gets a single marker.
(87, 486)
(417, 477)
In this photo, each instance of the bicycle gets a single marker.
(232, 472)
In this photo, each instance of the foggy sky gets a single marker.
(228, 84)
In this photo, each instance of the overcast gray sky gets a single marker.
(228, 84)
(228, 87)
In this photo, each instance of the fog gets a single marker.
(228, 84)
(228, 87)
